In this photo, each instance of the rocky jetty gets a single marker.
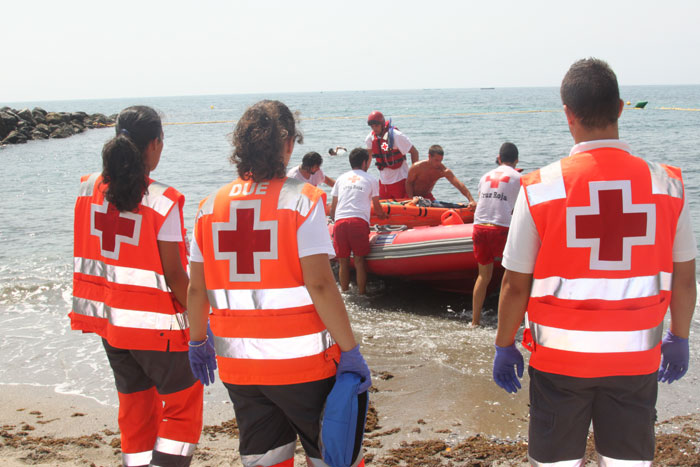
(20, 126)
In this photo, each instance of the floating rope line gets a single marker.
(461, 114)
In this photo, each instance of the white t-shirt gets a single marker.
(403, 144)
(312, 237)
(523, 243)
(355, 190)
(498, 190)
(315, 179)
(171, 230)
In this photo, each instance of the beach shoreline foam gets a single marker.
(43, 427)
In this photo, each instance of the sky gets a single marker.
(78, 49)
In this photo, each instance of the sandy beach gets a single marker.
(42, 427)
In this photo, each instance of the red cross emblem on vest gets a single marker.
(354, 178)
(385, 146)
(245, 240)
(114, 228)
(611, 225)
(497, 178)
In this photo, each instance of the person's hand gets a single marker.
(203, 358)
(504, 364)
(674, 358)
(472, 204)
(352, 361)
(382, 215)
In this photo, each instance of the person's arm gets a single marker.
(175, 275)
(683, 298)
(377, 206)
(329, 181)
(197, 302)
(334, 204)
(319, 281)
(410, 181)
(414, 154)
(512, 304)
(449, 175)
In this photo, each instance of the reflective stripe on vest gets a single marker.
(292, 197)
(662, 183)
(601, 289)
(259, 299)
(272, 457)
(596, 341)
(155, 199)
(551, 186)
(273, 349)
(130, 318)
(175, 448)
(87, 187)
(120, 274)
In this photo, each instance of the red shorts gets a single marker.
(395, 190)
(488, 241)
(351, 234)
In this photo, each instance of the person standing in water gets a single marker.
(498, 190)
(130, 288)
(388, 146)
(600, 248)
(260, 260)
(354, 196)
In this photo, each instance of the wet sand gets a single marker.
(41, 427)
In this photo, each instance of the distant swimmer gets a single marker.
(424, 174)
(388, 146)
(600, 247)
(309, 170)
(130, 288)
(498, 190)
(338, 151)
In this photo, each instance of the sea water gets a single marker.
(404, 329)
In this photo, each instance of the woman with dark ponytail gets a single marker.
(130, 288)
(260, 261)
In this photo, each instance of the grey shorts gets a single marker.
(621, 408)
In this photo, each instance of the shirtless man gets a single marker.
(423, 175)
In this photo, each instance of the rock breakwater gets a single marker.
(20, 126)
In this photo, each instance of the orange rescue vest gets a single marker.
(602, 278)
(119, 290)
(266, 329)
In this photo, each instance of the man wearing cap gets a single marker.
(600, 248)
(498, 190)
(388, 146)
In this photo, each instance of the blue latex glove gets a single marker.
(203, 358)
(674, 358)
(352, 361)
(504, 363)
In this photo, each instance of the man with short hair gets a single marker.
(388, 146)
(309, 170)
(498, 190)
(423, 175)
(600, 247)
(355, 193)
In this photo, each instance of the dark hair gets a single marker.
(259, 139)
(589, 89)
(311, 159)
(508, 153)
(331, 151)
(357, 157)
(123, 166)
(436, 149)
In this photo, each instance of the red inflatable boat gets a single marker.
(440, 256)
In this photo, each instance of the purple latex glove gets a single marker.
(674, 358)
(352, 361)
(203, 358)
(504, 364)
